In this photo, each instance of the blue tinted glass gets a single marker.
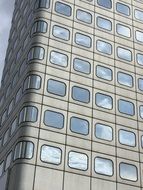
(63, 9)
(104, 23)
(105, 3)
(54, 119)
(126, 107)
(123, 9)
(80, 94)
(79, 125)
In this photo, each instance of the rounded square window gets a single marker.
(81, 66)
(103, 166)
(84, 16)
(124, 54)
(126, 107)
(63, 9)
(123, 30)
(127, 138)
(139, 58)
(125, 79)
(104, 47)
(139, 36)
(104, 73)
(128, 172)
(105, 3)
(139, 15)
(141, 111)
(43, 4)
(51, 155)
(61, 33)
(58, 59)
(77, 160)
(83, 40)
(56, 87)
(103, 132)
(123, 9)
(103, 101)
(80, 126)
(104, 23)
(53, 119)
(80, 94)
(140, 84)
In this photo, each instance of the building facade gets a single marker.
(71, 100)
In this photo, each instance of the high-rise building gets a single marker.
(71, 101)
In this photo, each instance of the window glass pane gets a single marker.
(126, 107)
(59, 59)
(8, 160)
(13, 126)
(79, 125)
(140, 83)
(31, 114)
(63, 9)
(39, 27)
(128, 172)
(139, 15)
(18, 95)
(104, 23)
(105, 3)
(139, 36)
(5, 137)
(10, 107)
(103, 166)
(56, 87)
(61, 32)
(124, 54)
(139, 58)
(127, 138)
(104, 47)
(33, 82)
(84, 16)
(81, 65)
(104, 72)
(103, 101)
(125, 79)
(18, 151)
(1, 168)
(28, 113)
(141, 111)
(36, 53)
(123, 9)
(51, 154)
(29, 150)
(54, 119)
(78, 161)
(43, 4)
(104, 132)
(83, 40)
(80, 94)
(123, 30)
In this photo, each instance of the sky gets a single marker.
(6, 11)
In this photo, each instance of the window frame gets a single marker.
(124, 112)
(133, 146)
(53, 127)
(104, 159)
(61, 152)
(130, 165)
(104, 138)
(78, 133)
(73, 151)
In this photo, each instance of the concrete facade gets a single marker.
(71, 101)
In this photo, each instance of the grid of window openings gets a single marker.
(86, 81)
